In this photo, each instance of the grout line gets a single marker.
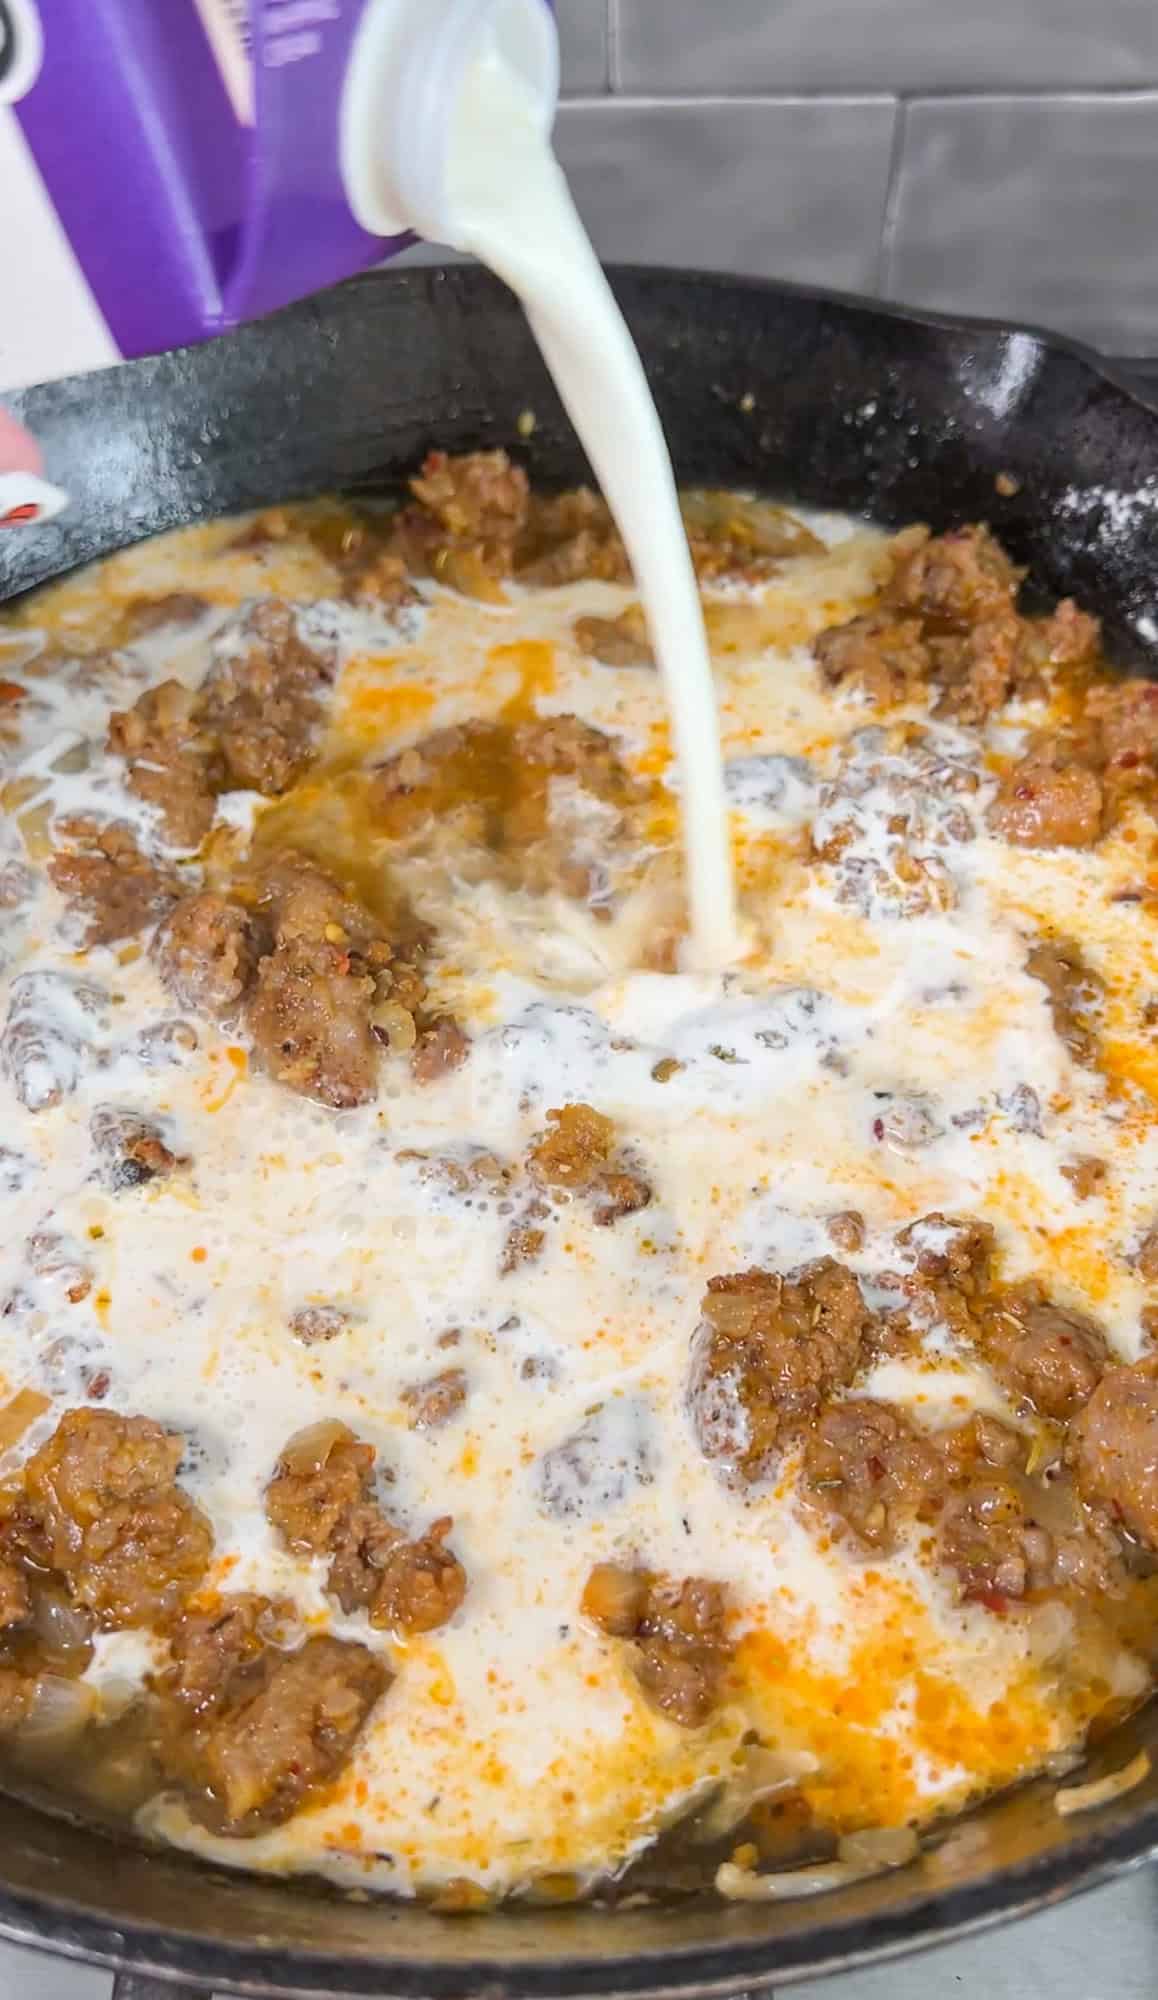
(892, 200)
(590, 101)
(1044, 93)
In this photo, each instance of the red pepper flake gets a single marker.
(12, 691)
(27, 511)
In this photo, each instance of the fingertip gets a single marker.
(19, 451)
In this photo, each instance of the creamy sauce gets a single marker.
(513, 209)
(867, 1056)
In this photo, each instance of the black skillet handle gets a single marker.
(139, 1986)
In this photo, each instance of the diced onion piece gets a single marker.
(396, 1023)
(879, 1847)
(892, 1847)
(1100, 1791)
(75, 759)
(60, 1710)
(61, 1627)
(35, 831)
(16, 1416)
(308, 1449)
(614, 1597)
(763, 1774)
(757, 525)
(463, 570)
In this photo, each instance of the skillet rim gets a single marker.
(1101, 1848)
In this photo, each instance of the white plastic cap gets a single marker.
(410, 64)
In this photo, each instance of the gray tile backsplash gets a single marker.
(997, 157)
(697, 47)
(792, 189)
(583, 43)
(1032, 208)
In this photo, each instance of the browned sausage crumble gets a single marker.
(309, 971)
(249, 727)
(251, 1732)
(770, 1349)
(109, 882)
(1074, 992)
(100, 1506)
(580, 1154)
(99, 1534)
(321, 1501)
(678, 1632)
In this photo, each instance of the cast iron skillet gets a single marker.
(813, 398)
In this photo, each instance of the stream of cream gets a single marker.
(513, 210)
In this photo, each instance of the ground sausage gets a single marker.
(249, 727)
(946, 622)
(1113, 1449)
(867, 1465)
(101, 1506)
(262, 699)
(1046, 1355)
(769, 1350)
(131, 1149)
(441, 1047)
(172, 763)
(252, 1733)
(314, 1324)
(463, 523)
(321, 1501)
(1075, 993)
(431, 1404)
(110, 882)
(879, 655)
(1044, 803)
(578, 1155)
(616, 642)
(311, 1008)
(206, 953)
(142, 615)
(678, 1631)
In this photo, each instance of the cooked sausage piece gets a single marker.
(678, 1631)
(578, 1155)
(770, 1349)
(249, 727)
(142, 615)
(130, 1148)
(101, 1506)
(173, 764)
(1044, 802)
(1046, 1355)
(946, 621)
(262, 699)
(252, 1733)
(321, 1501)
(1113, 1448)
(206, 953)
(879, 655)
(616, 642)
(311, 1007)
(1075, 993)
(869, 1466)
(431, 1404)
(107, 879)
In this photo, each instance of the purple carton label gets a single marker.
(176, 164)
